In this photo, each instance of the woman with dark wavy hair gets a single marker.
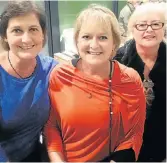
(24, 73)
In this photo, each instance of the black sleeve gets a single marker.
(126, 155)
(119, 54)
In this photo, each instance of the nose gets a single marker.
(26, 37)
(94, 43)
(149, 28)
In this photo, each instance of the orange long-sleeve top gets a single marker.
(78, 126)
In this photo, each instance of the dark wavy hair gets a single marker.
(19, 8)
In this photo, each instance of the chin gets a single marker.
(27, 56)
(97, 62)
(150, 44)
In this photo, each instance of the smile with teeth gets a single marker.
(148, 37)
(26, 47)
(94, 53)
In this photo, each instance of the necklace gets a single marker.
(13, 67)
(148, 85)
(110, 103)
(74, 63)
(89, 95)
(89, 92)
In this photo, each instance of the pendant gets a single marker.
(147, 83)
(149, 93)
(89, 95)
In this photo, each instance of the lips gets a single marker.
(149, 37)
(94, 53)
(26, 47)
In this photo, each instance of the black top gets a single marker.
(154, 138)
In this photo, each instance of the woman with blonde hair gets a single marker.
(146, 53)
(98, 105)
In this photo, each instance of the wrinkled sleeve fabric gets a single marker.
(136, 117)
(52, 132)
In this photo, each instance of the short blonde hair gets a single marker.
(104, 16)
(144, 9)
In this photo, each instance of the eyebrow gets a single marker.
(91, 33)
(32, 26)
(36, 26)
(156, 21)
(151, 21)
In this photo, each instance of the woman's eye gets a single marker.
(156, 24)
(85, 37)
(103, 37)
(16, 31)
(142, 25)
(34, 29)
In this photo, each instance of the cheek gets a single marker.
(38, 38)
(137, 35)
(160, 34)
(81, 46)
(13, 41)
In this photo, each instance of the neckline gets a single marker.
(89, 77)
(22, 79)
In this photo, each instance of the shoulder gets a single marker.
(123, 11)
(126, 9)
(3, 56)
(126, 51)
(46, 62)
(62, 74)
(123, 49)
(128, 75)
(162, 47)
(119, 54)
(62, 70)
(46, 59)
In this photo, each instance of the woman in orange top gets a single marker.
(98, 105)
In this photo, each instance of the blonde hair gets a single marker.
(104, 16)
(144, 9)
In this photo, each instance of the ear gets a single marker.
(113, 48)
(5, 39)
(76, 43)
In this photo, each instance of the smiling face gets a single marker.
(149, 37)
(24, 36)
(95, 42)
